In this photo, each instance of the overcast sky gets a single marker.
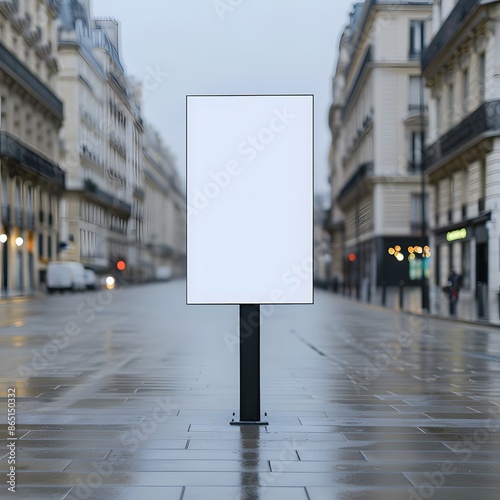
(179, 47)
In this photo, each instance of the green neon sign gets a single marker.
(458, 234)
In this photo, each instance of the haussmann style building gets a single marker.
(110, 156)
(379, 244)
(31, 116)
(461, 70)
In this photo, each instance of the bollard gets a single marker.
(426, 301)
(401, 294)
(482, 291)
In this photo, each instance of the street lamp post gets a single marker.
(424, 280)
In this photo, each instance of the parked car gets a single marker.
(163, 273)
(62, 276)
(91, 281)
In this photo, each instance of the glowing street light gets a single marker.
(3, 238)
(19, 241)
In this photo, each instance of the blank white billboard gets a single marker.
(250, 199)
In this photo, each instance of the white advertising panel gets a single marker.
(250, 199)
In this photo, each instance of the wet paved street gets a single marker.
(129, 394)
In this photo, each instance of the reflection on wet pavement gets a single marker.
(129, 395)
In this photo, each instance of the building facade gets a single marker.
(322, 251)
(377, 119)
(123, 201)
(100, 141)
(164, 211)
(460, 66)
(31, 116)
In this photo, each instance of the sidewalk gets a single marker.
(362, 403)
(467, 307)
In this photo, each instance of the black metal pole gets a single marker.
(249, 363)
(5, 264)
(425, 281)
(357, 265)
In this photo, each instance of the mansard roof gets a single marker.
(70, 11)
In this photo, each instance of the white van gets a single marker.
(91, 279)
(163, 273)
(62, 275)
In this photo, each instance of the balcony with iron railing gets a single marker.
(414, 167)
(53, 4)
(481, 123)
(367, 60)
(481, 205)
(417, 107)
(19, 217)
(362, 172)
(139, 192)
(118, 229)
(22, 75)
(416, 226)
(30, 220)
(15, 151)
(5, 214)
(451, 26)
(9, 7)
(103, 197)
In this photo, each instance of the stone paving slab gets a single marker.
(222, 478)
(38, 493)
(316, 493)
(126, 492)
(138, 407)
(268, 493)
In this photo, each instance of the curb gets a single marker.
(376, 307)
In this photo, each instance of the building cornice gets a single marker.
(473, 221)
(84, 52)
(366, 15)
(93, 192)
(20, 155)
(453, 32)
(16, 70)
(483, 123)
(362, 172)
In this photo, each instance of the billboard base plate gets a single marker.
(248, 422)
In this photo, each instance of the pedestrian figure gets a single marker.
(452, 289)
